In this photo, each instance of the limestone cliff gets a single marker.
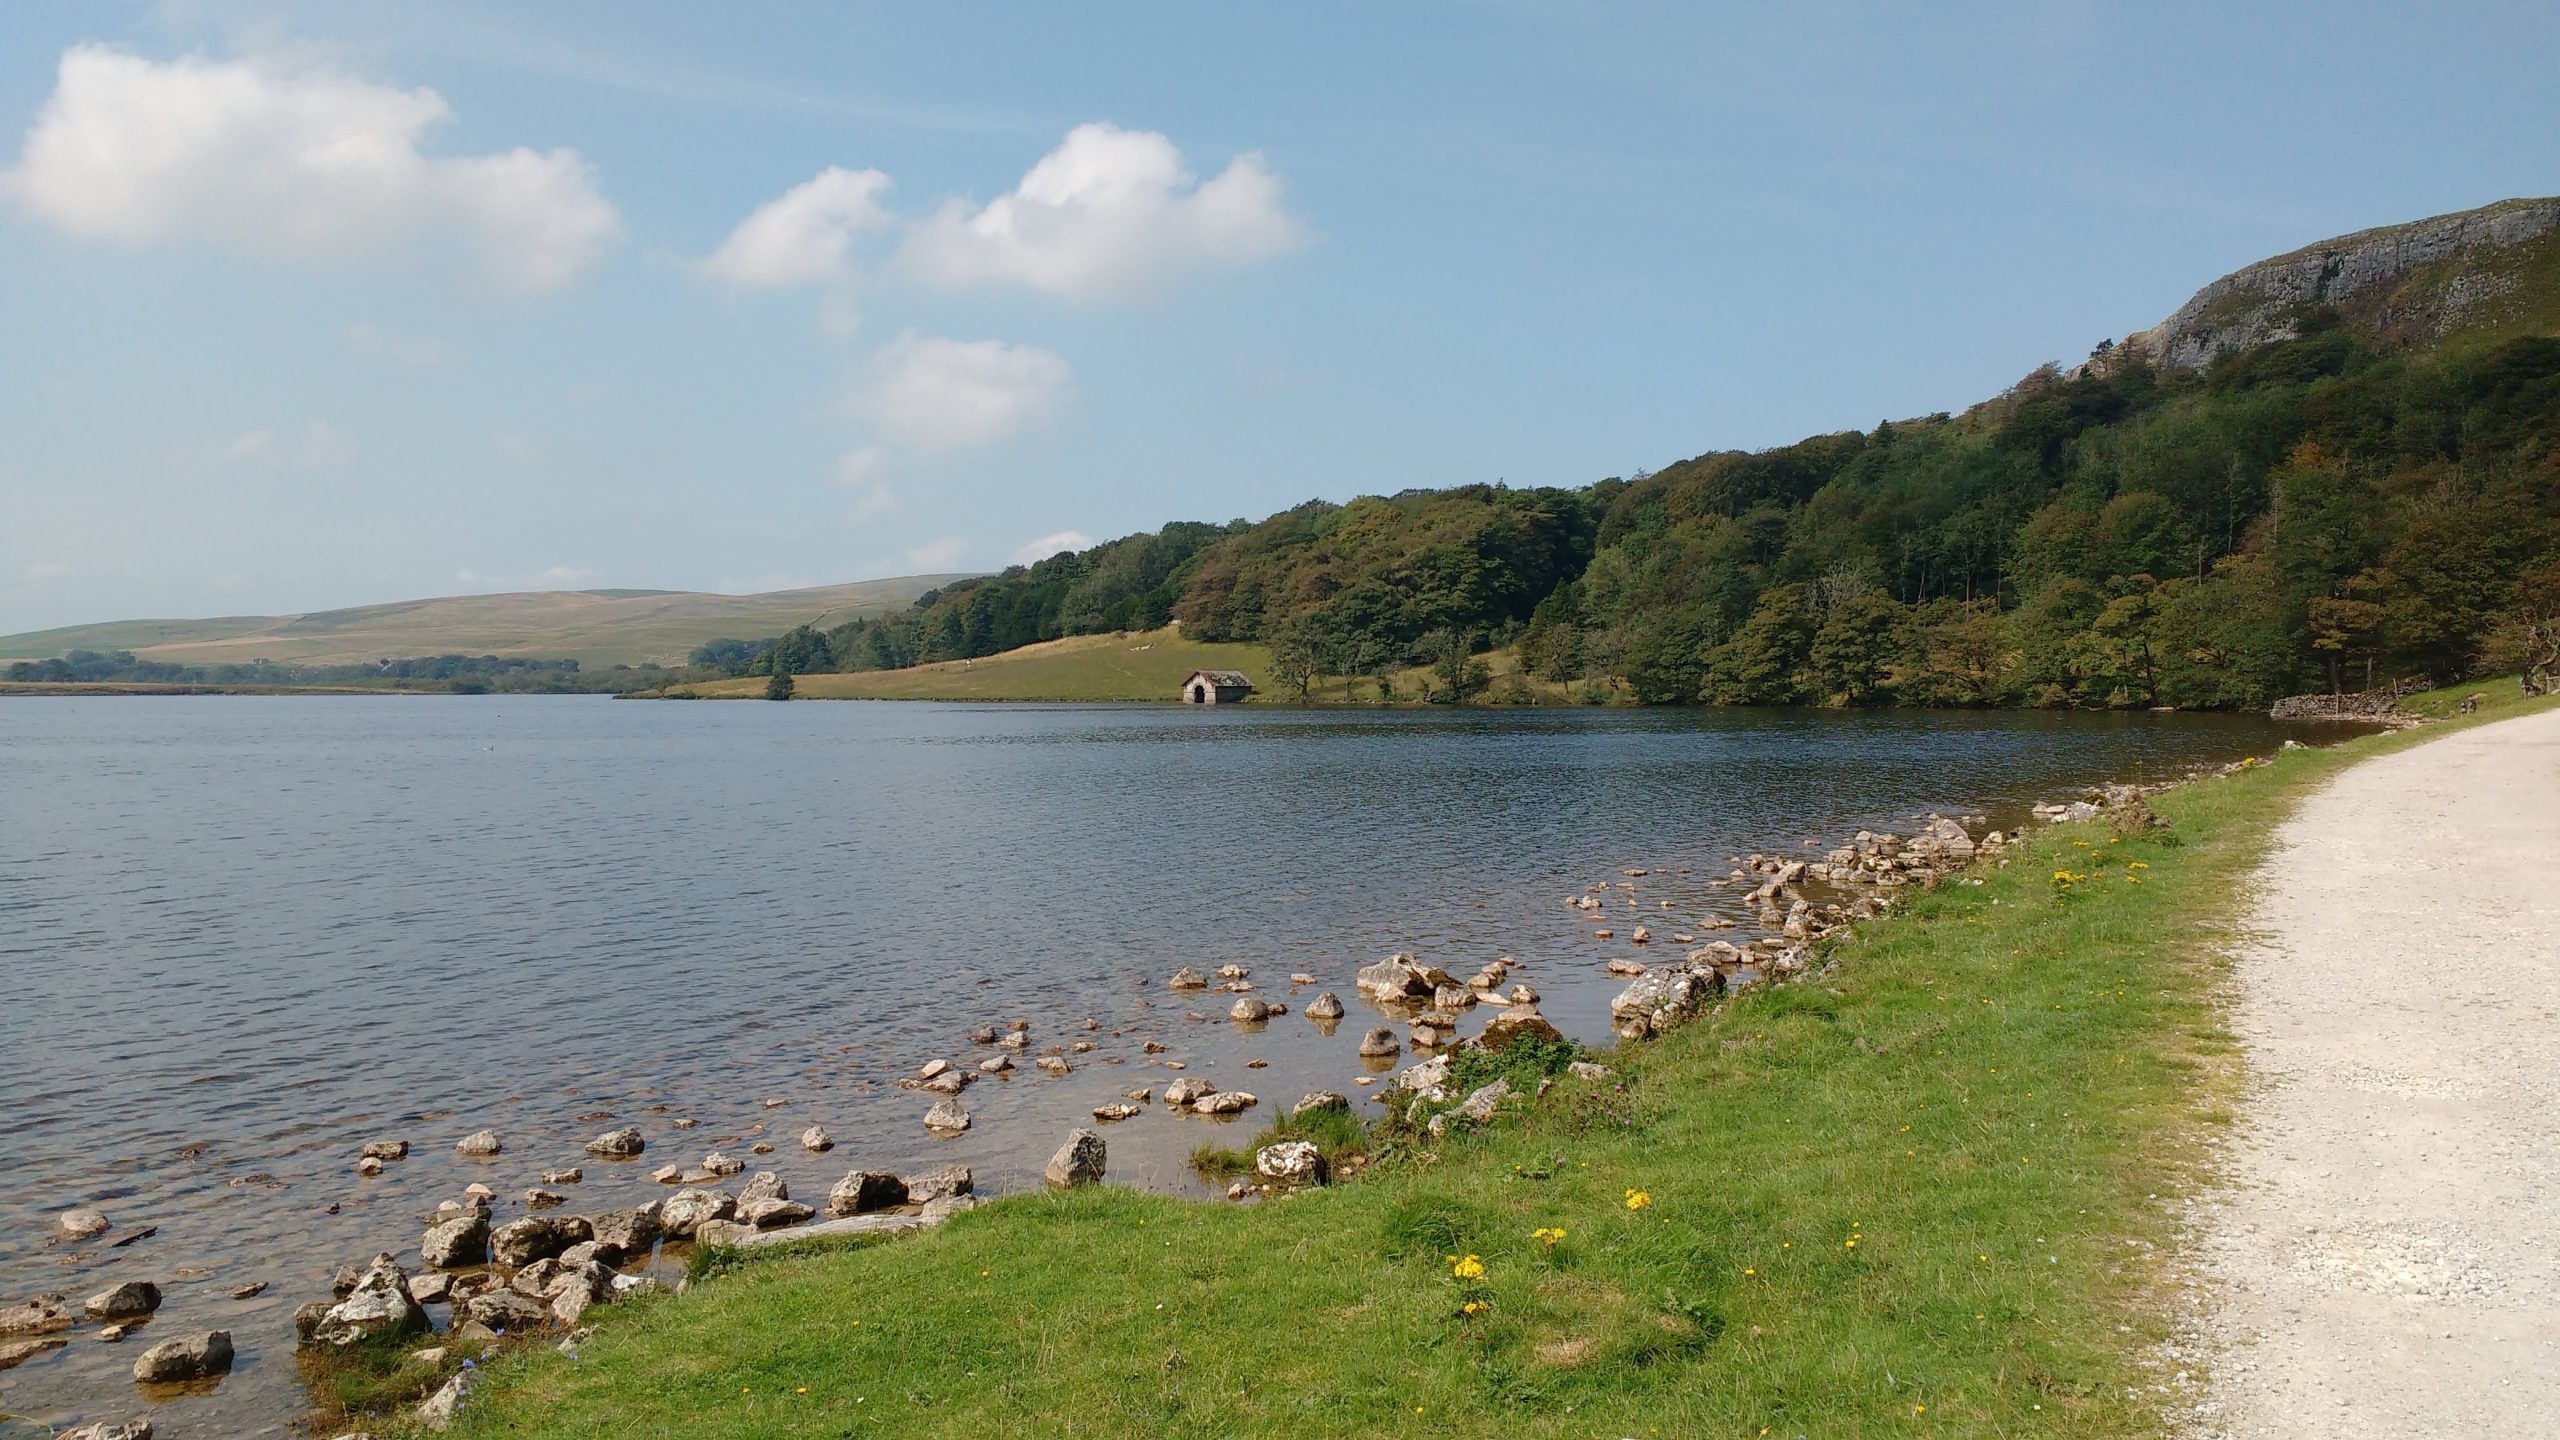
(2494, 269)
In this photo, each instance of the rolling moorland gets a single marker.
(2332, 468)
(596, 628)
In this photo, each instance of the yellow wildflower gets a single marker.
(1469, 1268)
(1547, 1235)
(1638, 1199)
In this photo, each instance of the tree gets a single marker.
(1297, 655)
(2343, 624)
(1857, 646)
(1763, 664)
(1454, 665)
(778, 685)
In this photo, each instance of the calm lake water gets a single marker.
(240, 937)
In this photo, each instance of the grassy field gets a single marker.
(1922, 1194)
(594, 627)
(1124, 667)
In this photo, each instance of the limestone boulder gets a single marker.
(1078, 1162)
(200, 1356)
(1663, 1000)
(681, 1215)
(1380, 1043)
(1318, 1101)
(461, 1240)
(479, 1144)
(380, 1305)
(1327, 1006)
(617, 1144)
(862, 1191)
(941, 1183)
(128, 1301)
(1291, 1162)
(1401, 979)
(537, 1237)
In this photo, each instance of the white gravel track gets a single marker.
(2386, 1261)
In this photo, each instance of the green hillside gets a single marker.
(597, 628)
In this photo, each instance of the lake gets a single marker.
(241, 937)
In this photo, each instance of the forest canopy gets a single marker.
(2316, 513)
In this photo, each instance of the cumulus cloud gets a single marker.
(806, 236)
(292, 159)
(1034, 551)
(1109, 214)
(932, 394)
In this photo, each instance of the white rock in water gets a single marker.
(1078, 1162)
(479, 1142)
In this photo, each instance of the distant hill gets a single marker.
(594, 627)
(2489, 273)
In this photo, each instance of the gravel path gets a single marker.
(2387, 1260)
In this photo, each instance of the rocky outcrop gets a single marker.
(39, 1316)
(380, 1305)
(1663, 1000)
(2415, 283)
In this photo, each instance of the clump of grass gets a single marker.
(1341, 1136)
(370, 1379)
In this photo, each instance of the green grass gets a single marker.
(1144, 666)
(1923, 1193)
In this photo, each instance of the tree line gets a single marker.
(2323, 512)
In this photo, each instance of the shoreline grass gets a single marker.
(1925, 1192)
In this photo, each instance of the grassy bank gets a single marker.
(1126, 667)
(1918, 1195)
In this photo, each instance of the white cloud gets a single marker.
(804, 237)
(318, 447)
(932, 394)
(279, 157)
(936, 556)
(1110, 213)
(1035, 551)
(563, 577)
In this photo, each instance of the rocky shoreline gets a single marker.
(533, 1278)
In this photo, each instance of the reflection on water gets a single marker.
(243, 936)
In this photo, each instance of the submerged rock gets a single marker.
(123, 1302)
(1185, 1090)
(36, 1317)
(109, 1430)
(1117, 1110)
(79, 1224)
(617, 1144)
(479, 1143)
(1380, 1043)
(1224, 1102)
(1399, 979)
(1249, 1010)
(384, 1150)
(947, 1116)
(1327, 1006)
(816, 1140)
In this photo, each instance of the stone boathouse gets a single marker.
(1216, 687)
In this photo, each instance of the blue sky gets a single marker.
(313, 304)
